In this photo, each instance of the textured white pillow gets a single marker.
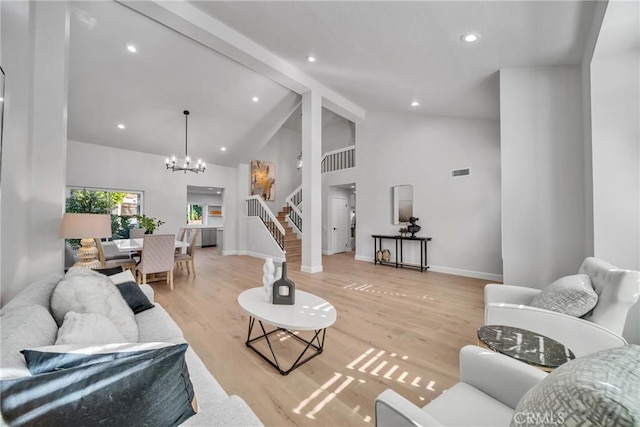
(83, 290)
(599, 389)
(571, 295)
(88, 328)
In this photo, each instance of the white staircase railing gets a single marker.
(293, 201)
(342, 158)
(257, 207)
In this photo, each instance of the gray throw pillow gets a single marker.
(570, 295)
(599, 389)
(143, 388)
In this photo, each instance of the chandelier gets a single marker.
(186, 166)
(299, 164)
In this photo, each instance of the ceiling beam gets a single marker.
(214, 34)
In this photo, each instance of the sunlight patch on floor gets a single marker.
(360, 365)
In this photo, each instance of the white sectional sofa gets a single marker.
(26, 322)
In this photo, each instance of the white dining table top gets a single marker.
(131, 245)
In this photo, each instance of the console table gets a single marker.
(399, 241)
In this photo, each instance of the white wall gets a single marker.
(615, 108)
(338, 134)
(34, 50)
(165, 192)
(616, 158)
(283, 150)
(261, 244)
(543, 174)
(461, 214)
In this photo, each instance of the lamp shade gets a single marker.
(85, 226)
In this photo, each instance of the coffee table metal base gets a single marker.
(315, 346)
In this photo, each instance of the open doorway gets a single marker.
(341, 219)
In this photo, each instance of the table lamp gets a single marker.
(87, 227)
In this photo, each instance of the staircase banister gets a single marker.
(293, 193)
(339, 150)
(294, 208)
(272, 217)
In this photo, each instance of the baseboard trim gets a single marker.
(225, 253)
(466, 273)
(449, 270)
(312, 270)
(262, 256)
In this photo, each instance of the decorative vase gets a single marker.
(284, 290)
(267, 279)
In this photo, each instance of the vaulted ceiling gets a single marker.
(381, 55)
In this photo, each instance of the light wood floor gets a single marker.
(398, 329)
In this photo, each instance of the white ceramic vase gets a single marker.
(267, 279)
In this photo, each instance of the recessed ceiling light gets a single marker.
(120, 126)
(415, 104)
(210, 189)
(311, 58)
(470, 37)
(255, 99)
(219, 192)
(131, 48)
(223, 148)
(1, 99)
(353, 186)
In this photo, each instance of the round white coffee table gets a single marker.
(309, 313)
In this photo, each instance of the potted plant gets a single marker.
(148, 223)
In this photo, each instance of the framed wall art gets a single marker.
(263, 179)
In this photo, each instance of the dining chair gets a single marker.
(114, 260)
(189, 257)
(157, 255)
(181, 233)
(136, 233)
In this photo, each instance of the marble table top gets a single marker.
(526, 346)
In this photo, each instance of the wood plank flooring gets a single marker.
(398, 329)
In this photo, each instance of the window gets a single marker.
(194, 213)
(123, 206)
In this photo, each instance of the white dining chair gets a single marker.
(189, 257)
(114, 260)
(157, 255)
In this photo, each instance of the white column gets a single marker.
(242, 191)
(49, 135)
(311, 182)
(542, 152)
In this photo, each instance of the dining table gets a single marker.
(135, 245)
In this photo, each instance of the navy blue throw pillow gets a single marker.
(109, 271)
(149, 388)
(136, 299)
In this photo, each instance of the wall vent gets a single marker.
(461, 172)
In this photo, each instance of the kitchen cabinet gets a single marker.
(209, 237)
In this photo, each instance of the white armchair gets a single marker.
(490, 387)
(598, 390)
(617, 291)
